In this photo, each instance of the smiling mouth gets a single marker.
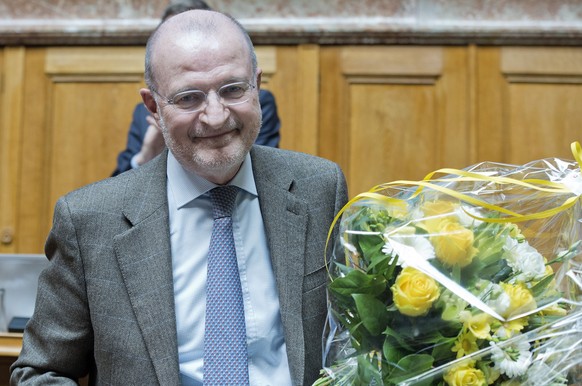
(218, 135)
(214, 136)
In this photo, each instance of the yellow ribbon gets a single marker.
(464, 176)
(577, 152)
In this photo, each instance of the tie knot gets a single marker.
(223, 198)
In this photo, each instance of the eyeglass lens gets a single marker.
(193, 100)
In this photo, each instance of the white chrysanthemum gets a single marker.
(512, 360)
(408, 237)
(502, 333)
(508, 330)
(466, 220)
(496, 298)
(525, 260)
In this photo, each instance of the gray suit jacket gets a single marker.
(105, 304)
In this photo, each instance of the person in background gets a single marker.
(129, 295)
(144, 139)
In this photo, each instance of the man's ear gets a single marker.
(149, 102)
(259, 73)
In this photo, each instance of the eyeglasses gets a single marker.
(191, 101)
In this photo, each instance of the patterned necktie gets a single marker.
(225, 346)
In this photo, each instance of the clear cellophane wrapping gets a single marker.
(470, 277)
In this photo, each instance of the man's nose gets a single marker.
(215, 113)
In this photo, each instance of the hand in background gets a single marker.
(153, 142)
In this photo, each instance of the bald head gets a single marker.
(204, 53)
(197, 30)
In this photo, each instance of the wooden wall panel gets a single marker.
(10, 144)
(529, 99)
(35, 211)
(394, 112)
(388, 138)
(64, 130)
(87, 131)
(295, 85)
(543, 119)
(383, 112)
(91, 95)
(68, 112)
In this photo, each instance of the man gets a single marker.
(144, 139)
(124, 297)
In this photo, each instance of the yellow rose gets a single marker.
(414, 292)
(398, 209)
(521, 299)
(465, 375)
(453, 243)
(434, 208)
(435, 212)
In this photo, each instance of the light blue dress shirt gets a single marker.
(190, 229)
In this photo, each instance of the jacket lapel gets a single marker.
(285, 219)
(144, 257)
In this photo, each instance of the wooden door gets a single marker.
(11, 115)
(529, 102)
(291, 73)
(69, 114)
(391, 113)
(66, 113)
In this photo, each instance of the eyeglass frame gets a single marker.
(171, 101)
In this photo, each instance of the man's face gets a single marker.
(214, 140)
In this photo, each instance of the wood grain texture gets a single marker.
(382, 112)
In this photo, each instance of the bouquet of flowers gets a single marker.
(471, 278)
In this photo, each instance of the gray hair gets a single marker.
(203, 26)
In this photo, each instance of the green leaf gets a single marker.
(456, 273)
(358, 282)
(372, 313)
(343, 269)
(391, 351)
(541, 286)
(410, 366)
(378, 263)
(503, 272)
(368, 371)
(370, 243)
(371, 247)
(442, 351)
(397, 336)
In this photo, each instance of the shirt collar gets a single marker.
(186, 186)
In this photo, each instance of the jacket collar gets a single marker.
(145, 261)
(144, 256)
